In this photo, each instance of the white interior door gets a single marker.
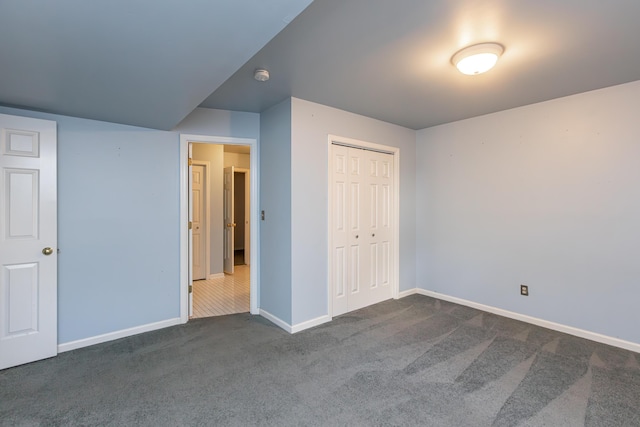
(229, 224)
(362, 228)
(28, 240)
(198, 229)
(247, 217)
(190, 229)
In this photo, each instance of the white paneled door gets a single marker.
(229, 216)
(28, 240)
(198, 221)
(362, 228)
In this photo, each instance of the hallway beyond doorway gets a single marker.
(224, 295)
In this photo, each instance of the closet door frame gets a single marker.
(395, 257)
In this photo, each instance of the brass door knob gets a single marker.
(47, 251)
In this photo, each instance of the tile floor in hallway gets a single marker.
(225, 295)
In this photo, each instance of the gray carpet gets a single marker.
(415, 361)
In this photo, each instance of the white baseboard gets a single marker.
(407, 293)
(98, 339)
(216, 276)
(593, 336)
(310, 323)
(292, 329)
(276, 320)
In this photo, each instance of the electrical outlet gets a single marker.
(524, 290)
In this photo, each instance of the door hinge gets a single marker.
(190, 289)
(190, 161)
(190, 225)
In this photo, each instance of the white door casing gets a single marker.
(198, 228)
(229, 224)
(362, 230)
(28, 240)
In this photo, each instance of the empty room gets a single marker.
(410, 213)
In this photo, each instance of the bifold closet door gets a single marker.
(361, 253)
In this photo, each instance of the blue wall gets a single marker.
(547, 195)
(275, 200)
(118, 219)
(117, 226)
(212, 122)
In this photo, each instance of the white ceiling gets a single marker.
(143, 62)
(150, 63)
(390, 60)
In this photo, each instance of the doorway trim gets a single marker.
(395, 151)
(185, 279)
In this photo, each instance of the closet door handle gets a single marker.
(373, 234)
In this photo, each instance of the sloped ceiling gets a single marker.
(141, 62)
(150, 63)
(390, 60)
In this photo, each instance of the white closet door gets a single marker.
(361, 255)
(340, 212)
(358, 222)
(380, 170)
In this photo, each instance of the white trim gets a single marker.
(98, 339)
(593, 336)
(276, 321)
(185, 139)
(395, 151)
(292, 329)
(207, 213)
(407, 293)
(215, 276)
(184, 231)
(310, 324)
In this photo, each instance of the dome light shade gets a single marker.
(478, 58)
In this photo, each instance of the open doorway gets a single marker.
(221, 212)
(234, 291)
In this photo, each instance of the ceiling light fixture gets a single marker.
(261, 75)
(478, 58)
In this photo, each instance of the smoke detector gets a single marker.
(261, 75)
